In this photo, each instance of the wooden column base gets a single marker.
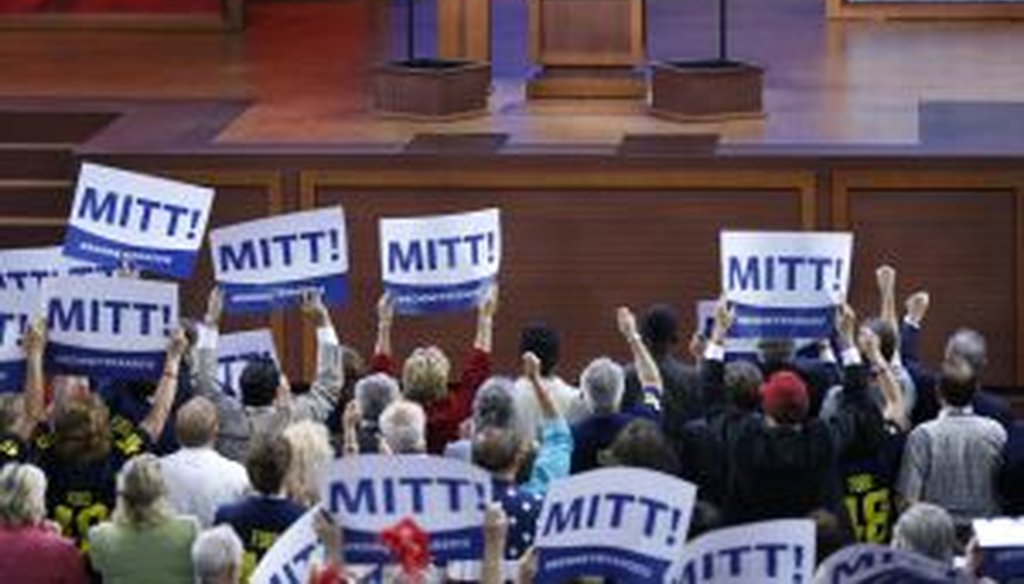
(431, 89)
(587, 83)
(706, 90)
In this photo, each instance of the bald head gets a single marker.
(196, 423)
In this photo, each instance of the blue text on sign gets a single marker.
(137, 212)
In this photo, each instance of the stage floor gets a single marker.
(304, 67)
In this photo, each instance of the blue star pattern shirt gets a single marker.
(522, 509)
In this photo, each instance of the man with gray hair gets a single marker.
(217, 556)
(373, 394)
(403, 427)
(966, 345)
(928, 530)
(603, 382)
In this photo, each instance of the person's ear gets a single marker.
(606, 458)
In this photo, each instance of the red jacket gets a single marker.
(445, 415)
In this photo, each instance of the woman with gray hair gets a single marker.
(144, 541)
(217, 556)
(33, 549)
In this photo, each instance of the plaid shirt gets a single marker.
(953, 461)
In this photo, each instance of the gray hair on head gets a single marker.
(928, 530)
(374, 393)
(22, 495)
(494, 404)
(403, 425)
(969, 345)
(217, 554)
(602, 383)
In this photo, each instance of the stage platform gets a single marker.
(909, 134)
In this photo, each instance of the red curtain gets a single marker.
(109, 6)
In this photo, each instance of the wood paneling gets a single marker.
(956, 235)
(573, 251)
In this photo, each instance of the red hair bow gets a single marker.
(410, 545)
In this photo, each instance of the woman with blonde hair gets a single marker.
(311, 454)
(33, 549)
(144, 541)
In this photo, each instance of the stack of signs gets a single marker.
(875, 564)
(109, 327)
(446, 498)
(235, 350)
(153, 224)
(623, 523)
(22, 273)
(785, 284)
(756, 553)
(1002, 547)
(271, 263)
(443, 263)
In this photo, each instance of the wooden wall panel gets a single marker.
(957, 237)
(570, 256)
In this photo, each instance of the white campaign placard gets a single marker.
(153, 223)
(17, 310)
(109, 327)
(270, 263)
(871, 563)
(26, 268)
(785, 284)
(446, 498)
(235, 350)
(768, 552)
(628, 524)
(292, 555)
(1002, 546)
(440, 263)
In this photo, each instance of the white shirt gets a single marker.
(567, 398)
(199, 480)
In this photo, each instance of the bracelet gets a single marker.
(171, 374)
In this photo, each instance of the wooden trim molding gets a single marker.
(843, 182)
(884, 10)
(231, 18)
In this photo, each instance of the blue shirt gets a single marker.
(79, 496)
(258, 520)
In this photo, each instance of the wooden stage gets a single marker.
(910, 134)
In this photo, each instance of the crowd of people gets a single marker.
(175, 481)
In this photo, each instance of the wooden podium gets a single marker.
(587, 48)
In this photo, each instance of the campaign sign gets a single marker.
(289, 560)
(154, 224)
(235, 350)
(446, 498)
(876, 564)
(736, 348)
(17, 309)
(25, 269)
(270, 263)
(755, 553)
(627, 524)
(442, 263)
(1002, 547)
(785, 284)
(109, 327)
